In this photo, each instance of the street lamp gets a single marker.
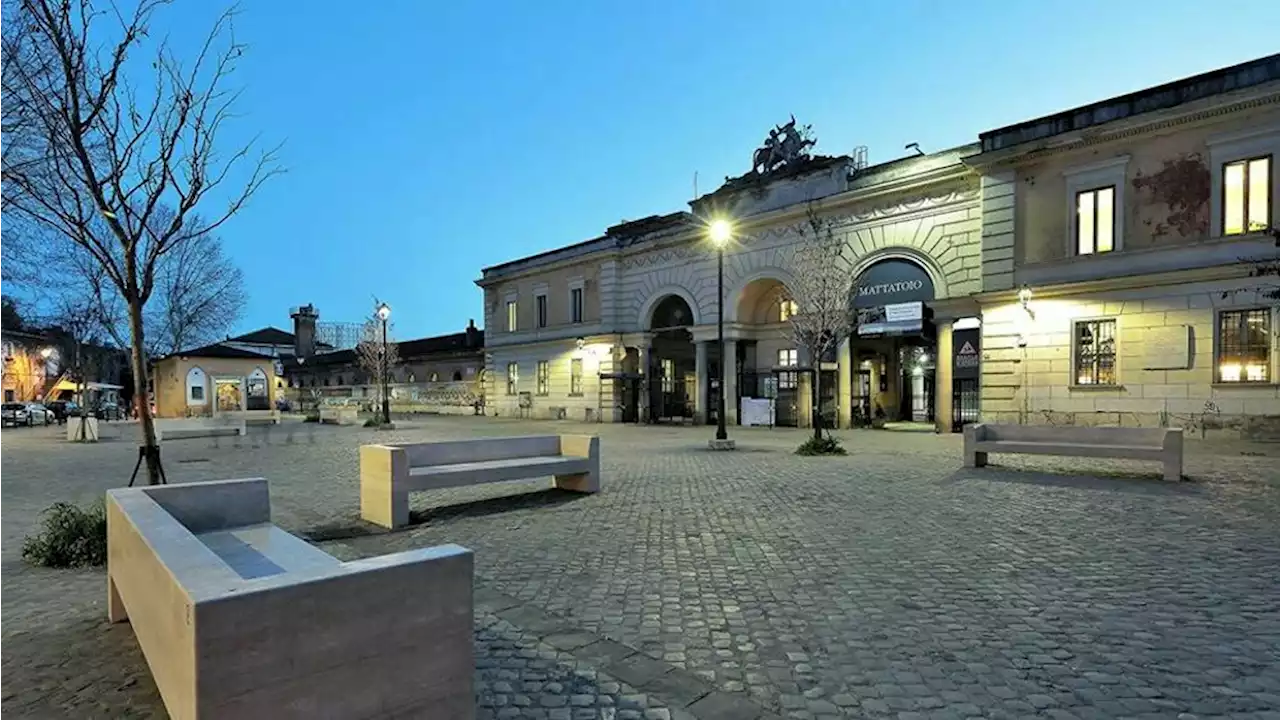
(720, 232)
(384, 312)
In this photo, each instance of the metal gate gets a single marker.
(965, 403)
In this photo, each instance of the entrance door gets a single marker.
(828, 392)
(965, 395)
(860, 402)
(786, 409)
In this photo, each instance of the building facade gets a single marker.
(623, 327)
(1120, 246)
(213, 379)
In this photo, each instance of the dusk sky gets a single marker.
(425, 140)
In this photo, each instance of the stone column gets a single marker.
(942, 378)
(844, 384)
(729, 383)
(704, 383)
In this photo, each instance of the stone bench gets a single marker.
(260, 417)
(238, 618)
(339, 416)
(197, 427)
(1163, 445)
(388, 473)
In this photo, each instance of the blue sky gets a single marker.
(425, 140)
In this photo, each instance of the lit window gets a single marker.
(787, 310)
(435, 377)
(540, 302)
(788, 357)
(543, 379)
(1095, 220)
(668, 375)
(1095, 351)
(575, 304)
(1244, 345)
(511, 316)
(1246, 196)
(513, 378)
(575, 376)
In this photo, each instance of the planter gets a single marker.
(89, 432)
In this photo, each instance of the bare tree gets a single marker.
(75, 329)
(112, 150)
(377, 358)
(822, 314)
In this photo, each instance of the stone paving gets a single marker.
(887, 584)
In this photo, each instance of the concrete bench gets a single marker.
(239, 619)
(260, 417)
(197, 427)
(388, 473)
(339, 415)
(1163, 445)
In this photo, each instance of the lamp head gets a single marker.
(46, 352)
(384, 311)
(720, 231)
(1024, 295)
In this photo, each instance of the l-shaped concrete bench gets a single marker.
(388, 473)
(239, 619)
(1163, 445)
(339, 415)
(197, 427)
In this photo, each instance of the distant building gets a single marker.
(39, 365)
(212, 379)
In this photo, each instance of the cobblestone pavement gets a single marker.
(890, 583)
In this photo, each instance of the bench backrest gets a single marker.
(481, 449)
(1153, 437)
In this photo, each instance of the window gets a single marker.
(197, 392)
(411, 378)
(1244, 346)
(540, 302)
(668, 375)
(511, 316)
(543, 380)
(513, 378)
(786, 310)
(457, 376)
(1095, 352)
(1096, 220)
(787, 357)
(1246, 196)
(575, 376)
(575, 304)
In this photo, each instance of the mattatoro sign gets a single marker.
(889, 298)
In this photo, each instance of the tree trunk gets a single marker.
(817, 409)
(140, 397)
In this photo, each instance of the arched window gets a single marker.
(197, 390)
(435, 377)
(457, 375)
(411, 378)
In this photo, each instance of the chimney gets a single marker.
(475, 338)
(304, 330)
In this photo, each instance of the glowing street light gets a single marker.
(384, 312)
(720, 231)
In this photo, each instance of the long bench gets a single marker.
(388, 473)
(197, 427)
(1163, 445)
(260, 417)
(339, 415)
(239, 619)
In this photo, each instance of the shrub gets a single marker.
(72, 537)
(373, 422)
(825, 445)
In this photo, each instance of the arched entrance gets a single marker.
(894, 346)
(672, 371)
(764, 307)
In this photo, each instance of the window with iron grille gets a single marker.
(513, 378)
(1095, 350)
(543, 380)
(1244, 346)
(1246, 196)
(668, 375)
(575, 376)
(541, 303)
(788, 357)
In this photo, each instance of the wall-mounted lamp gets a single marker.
(1024, 296)
(582, 342)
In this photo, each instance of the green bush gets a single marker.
(373, 422)
(825, 445)
(72, 537)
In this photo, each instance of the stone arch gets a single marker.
(196, 377)
(734, 310)
(925, 262)
(662, 293)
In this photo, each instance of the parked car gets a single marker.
(62, 409)
(37, 414)
(13, 414)
(108, 411)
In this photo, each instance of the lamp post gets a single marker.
(720, 232)
(384, 312)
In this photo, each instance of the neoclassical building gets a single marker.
(622, 327)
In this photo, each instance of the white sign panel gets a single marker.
(1166, 348)
(904, 312)
(757, 411)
